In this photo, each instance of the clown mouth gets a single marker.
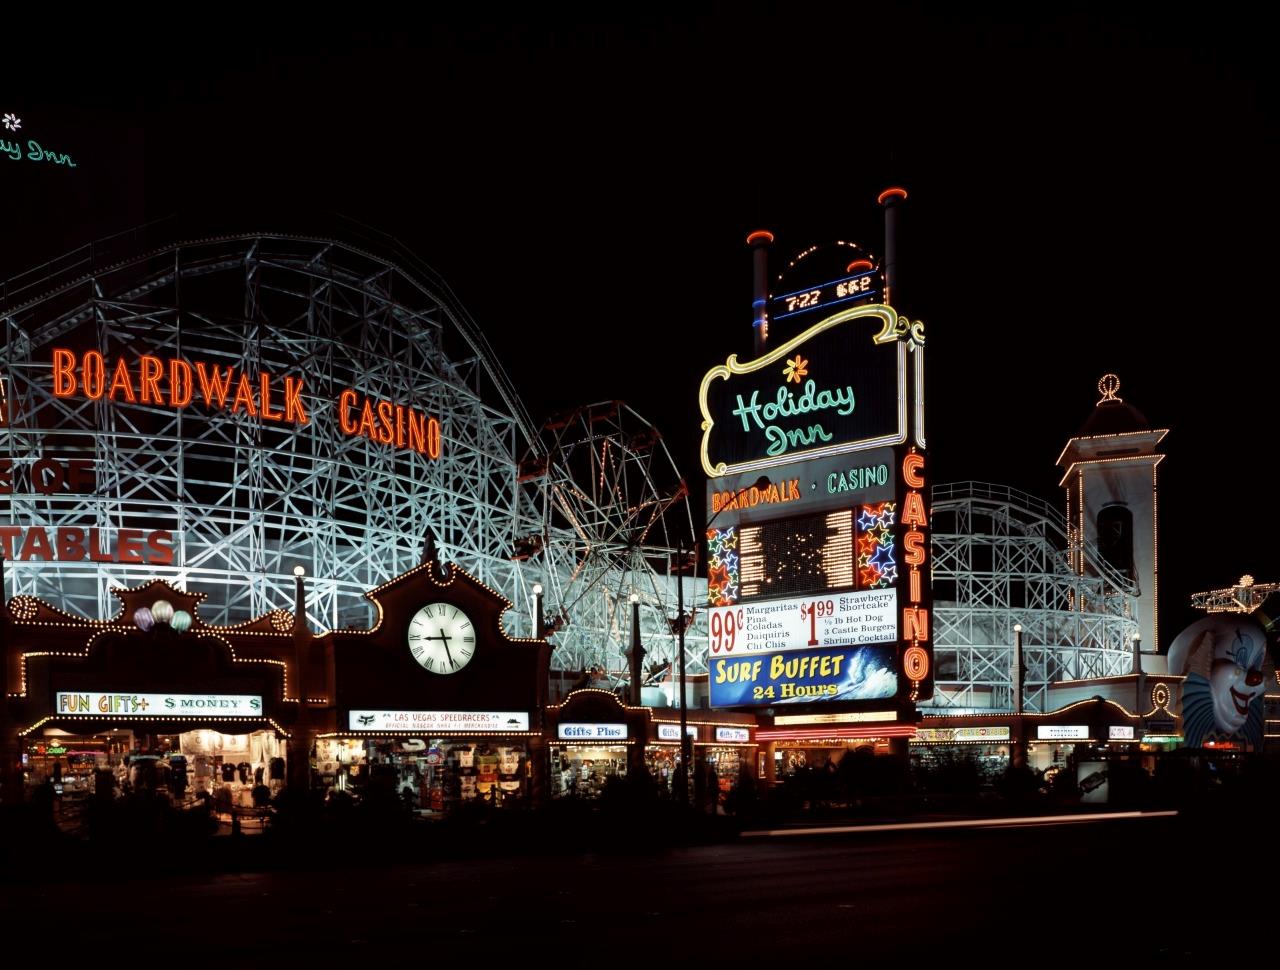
(1241, 701)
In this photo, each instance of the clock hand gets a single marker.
(446, 649)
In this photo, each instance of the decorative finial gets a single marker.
(1245, 580)
(1108, 384)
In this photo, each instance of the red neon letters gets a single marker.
(915, 617)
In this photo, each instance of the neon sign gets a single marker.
(395, 424)
(804, 400)
(917, 657)
(177, 383)
(35, 152)
(173, 384)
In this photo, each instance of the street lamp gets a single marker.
(1020, 737)
(682, 623)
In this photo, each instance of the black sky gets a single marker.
(1092, 190)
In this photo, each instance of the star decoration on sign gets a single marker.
(868, 519)
(12, 121)
(796, 369)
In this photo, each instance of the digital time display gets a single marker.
(841, 292)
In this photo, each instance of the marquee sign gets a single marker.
(818, 575)
(671, 732)
(158, 705)
(438, 722)
(804, 400)
(847, 674)
(591, 732)
(800, 624)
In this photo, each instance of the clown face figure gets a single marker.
(1222, 657)
(1235, 677)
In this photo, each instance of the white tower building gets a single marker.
(1109, 473)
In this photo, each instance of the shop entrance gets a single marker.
(233, 771)
(431, 776)
(582, 770)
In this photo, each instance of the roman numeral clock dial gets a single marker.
(442, 638)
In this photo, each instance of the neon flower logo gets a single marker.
(12, 121)
(795, 369)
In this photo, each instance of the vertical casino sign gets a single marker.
(817, 509)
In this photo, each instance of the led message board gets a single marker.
(825, 296)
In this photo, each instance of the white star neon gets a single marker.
(12, 121)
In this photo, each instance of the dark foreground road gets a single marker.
(1089, 894)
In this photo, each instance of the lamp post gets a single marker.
(686, 746)
(1020, 742)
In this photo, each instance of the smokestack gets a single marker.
(891, 198)
(759, 243)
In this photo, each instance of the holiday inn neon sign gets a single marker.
(177, 383)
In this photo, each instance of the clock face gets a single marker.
(442, 638)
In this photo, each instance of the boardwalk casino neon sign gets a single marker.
(177, 383)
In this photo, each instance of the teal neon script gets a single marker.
(35, 153)
(788, 404)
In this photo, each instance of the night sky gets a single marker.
(1091, 191)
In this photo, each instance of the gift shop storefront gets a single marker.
(153, 699)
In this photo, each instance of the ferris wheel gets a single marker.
(614, 510)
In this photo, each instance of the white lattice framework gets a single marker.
(248, 501)
(614, 509)
(999, 559)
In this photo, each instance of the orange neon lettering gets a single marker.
(276, 415)
(915, 623)
(399, 425)
(293, 410)
(95, 375)
(244, 392)
(911, 464)
(385, 434)
(64, 381)
(367, 426)
(215, 387)
(120, 379)
(433, 439)
(418, 432)
(913, 510)
(346, 400)
(915, 586)
(149, 379)
(181, 386)
(913, 543)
